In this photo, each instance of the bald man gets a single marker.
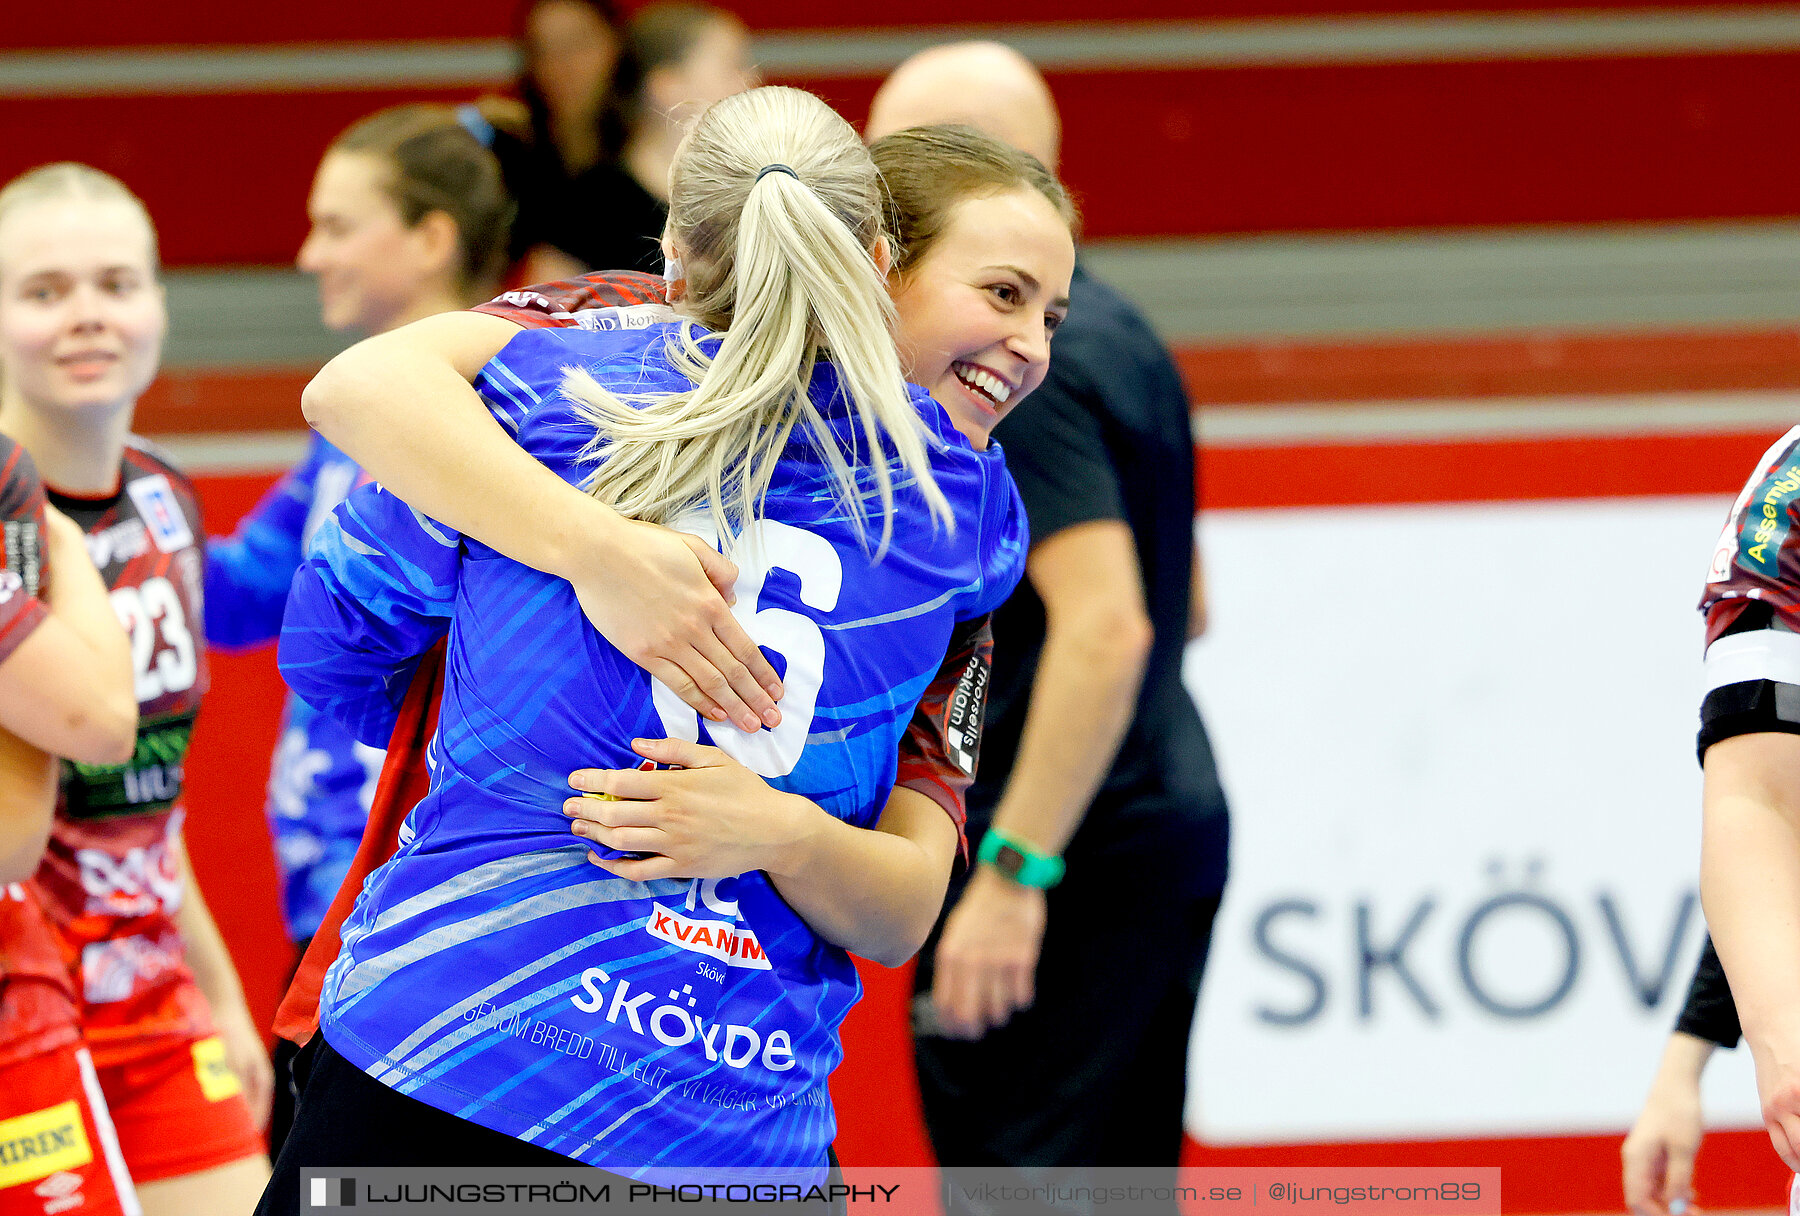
(1055, 1029)
(987, 85)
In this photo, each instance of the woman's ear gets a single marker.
(883, 253)
(674, 274)
(440, 241)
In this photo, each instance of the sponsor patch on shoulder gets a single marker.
(962, 729)
(1766, 521)
(161, 512)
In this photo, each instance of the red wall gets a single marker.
(1153, 152)
(1150, 153)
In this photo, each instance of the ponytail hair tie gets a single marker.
(776, 168)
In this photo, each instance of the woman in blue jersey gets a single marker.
(489, 972)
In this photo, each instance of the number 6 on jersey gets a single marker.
(770, 545)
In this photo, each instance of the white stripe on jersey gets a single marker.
(109, 1138)
(1760, 654)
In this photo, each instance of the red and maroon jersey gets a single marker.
(111, 878)
(37, 998)
(939, 749)
(22, 574)
(563, 302)
(1752, 606)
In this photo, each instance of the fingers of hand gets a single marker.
(1784, 1133)
(1643, 1177)
(715, 684)
(625, 839)
(954, 995)
(679, 753)
(606, 813)
(636, 869)
(720, 570)
(631, 784)
(745, 669)
(676, 680)
(1678, 1179)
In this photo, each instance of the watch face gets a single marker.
(1009, 861)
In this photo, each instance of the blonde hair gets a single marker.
(68, 181)
(781, 262)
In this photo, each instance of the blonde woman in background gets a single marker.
(181, 1064)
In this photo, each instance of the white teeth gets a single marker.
(984, 380)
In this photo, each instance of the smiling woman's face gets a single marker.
(82, 316)
(978, 310)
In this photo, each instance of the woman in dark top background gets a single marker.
(604, 106)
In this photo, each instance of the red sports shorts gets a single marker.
(179, 1110)
(58, 1151)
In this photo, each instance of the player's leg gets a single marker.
(233, 1187)
(57, 1143)
(186, 1131)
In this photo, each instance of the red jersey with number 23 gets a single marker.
(111, 878)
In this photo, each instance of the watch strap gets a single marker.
(1018, 862)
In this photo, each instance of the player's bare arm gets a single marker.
(874, 892)
(401, 404)
(1750, 887)
(68, 687)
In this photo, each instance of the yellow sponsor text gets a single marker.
(217, 1081)
(37, 1145)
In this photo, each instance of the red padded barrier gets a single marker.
(1151, 153)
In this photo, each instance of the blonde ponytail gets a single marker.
(780, 261)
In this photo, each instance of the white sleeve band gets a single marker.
(1760, 654)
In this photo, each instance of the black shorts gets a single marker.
(346, 1118)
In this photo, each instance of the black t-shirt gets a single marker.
(1107, 436)
(602, 217)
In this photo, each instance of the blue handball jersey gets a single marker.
(321, 779)
(664, 1029)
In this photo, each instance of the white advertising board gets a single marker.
(1459, 747)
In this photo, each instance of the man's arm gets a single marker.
(1096, 641)
(1658, 1154)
